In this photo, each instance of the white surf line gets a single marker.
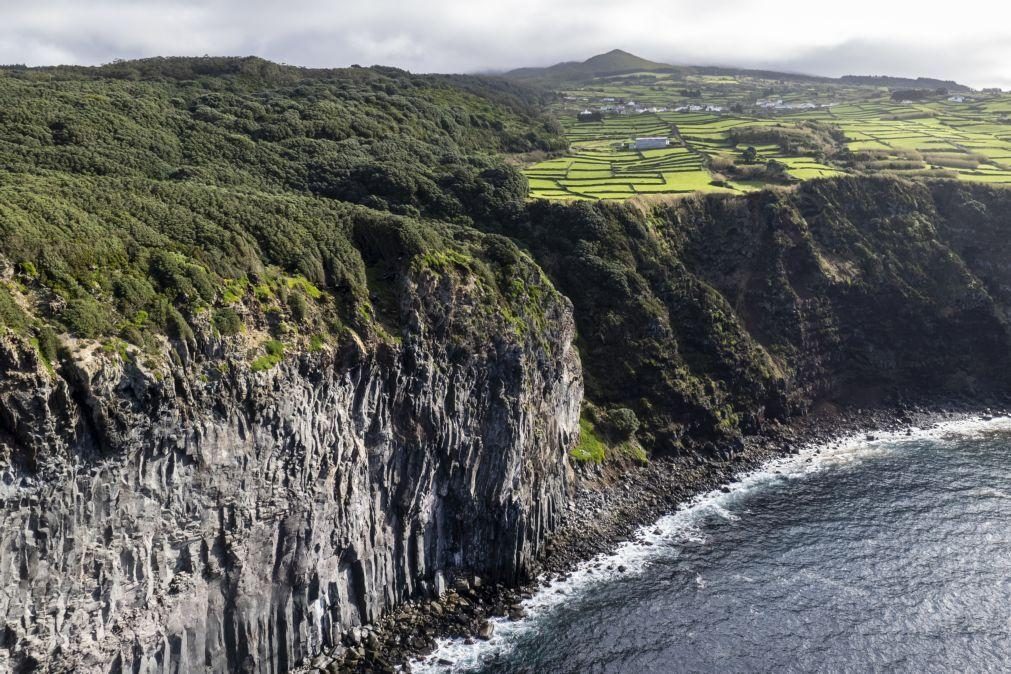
(653, 541)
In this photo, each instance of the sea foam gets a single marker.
(653, 541)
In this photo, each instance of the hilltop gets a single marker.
(620, 62)
(614, 62)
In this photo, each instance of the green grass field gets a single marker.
(861, 130)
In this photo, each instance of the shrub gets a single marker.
(176, 326)
(10, 313)
(132, 293)
(227, 322)
(263, 293)
(306, 286)
(623, 422)
(274, 353)
(132, 334)
(234, 290)
(49, 343)
(85, 318)
(298, 306)
(179, 278)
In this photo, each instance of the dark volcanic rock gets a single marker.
(167, 521)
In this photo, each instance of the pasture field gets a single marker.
(813, 131)
(600, 166)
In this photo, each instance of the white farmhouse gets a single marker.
(651, 143)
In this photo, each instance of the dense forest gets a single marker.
(139, 197)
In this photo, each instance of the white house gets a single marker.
(652, 143)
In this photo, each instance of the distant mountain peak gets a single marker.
(620, 60)
(614, 62)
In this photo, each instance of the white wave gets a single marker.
(653, 541)
(990, 491)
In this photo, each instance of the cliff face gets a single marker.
(709, 315)
(859, 289)
(976, 222)
(211, 518)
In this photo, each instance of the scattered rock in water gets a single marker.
(622, 568)
(486, 631)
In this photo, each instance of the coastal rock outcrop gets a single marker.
(208, 517)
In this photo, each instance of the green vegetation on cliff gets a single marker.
(712, 315)
(140, 197)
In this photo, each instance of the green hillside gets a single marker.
(140, 197)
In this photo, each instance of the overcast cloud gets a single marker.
(969, 40)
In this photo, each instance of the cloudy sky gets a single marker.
(969, 40)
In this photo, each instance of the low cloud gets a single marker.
(979, 61)
(865, 37)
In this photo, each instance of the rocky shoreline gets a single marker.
(611, 503)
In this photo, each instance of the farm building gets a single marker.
(589, 116)
(652, 143)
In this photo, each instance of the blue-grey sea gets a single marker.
(886, 555)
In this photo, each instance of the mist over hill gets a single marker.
(619, 62)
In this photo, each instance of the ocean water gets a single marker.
(888, 555)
